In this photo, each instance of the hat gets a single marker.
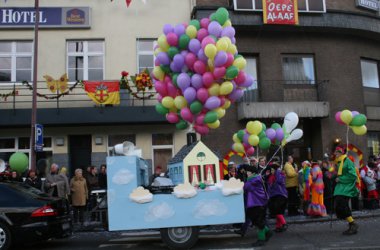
(306, 163)
(231, 163)
(339, 149)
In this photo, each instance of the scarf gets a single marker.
(341, 160)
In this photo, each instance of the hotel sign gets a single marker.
(368, 4)
(65, 17)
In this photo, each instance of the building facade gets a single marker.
(327, 63)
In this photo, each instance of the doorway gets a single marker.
(79, 152)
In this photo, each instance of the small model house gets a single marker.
(195, 163)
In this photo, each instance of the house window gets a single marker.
(145, 54)
(16, 61)
(251, 94)
(370, 73)
(298, 69)
(373, 143)
(85, 60)
(303, 5)
(162, 147)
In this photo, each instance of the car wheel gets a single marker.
(180, 237)
(5, 236)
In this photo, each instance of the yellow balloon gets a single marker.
(227, 39)
(359, 130)
(210, 51)
(226, 88)
(235, 138)
(253, 140)
(222, 44)
(240, 63)
(168, 102)
(238, 147)
(227, 104)
(180, 102)
(227, 23)
(191, 31)
(158, 73)
(163, 43)
(210, 63)
(232, 49)
(254, 127)
(220, 112)
(346, 116)
(214, 125)
(214, 89)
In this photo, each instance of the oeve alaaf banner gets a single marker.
(280, 12)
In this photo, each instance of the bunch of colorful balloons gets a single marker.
(256, 134)
(353, 119)
(198, 72)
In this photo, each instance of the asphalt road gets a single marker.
(299, 236)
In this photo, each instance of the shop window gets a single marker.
(298, 69)
(370, 73)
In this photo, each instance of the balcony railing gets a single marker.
(287, 91)
(19, 96)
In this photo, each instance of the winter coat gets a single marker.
(346, 186)
(370, 183)
(276, 184)
(254, 191)
(58, 182)
(291, 175)
(79, 192)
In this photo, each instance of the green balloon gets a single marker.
(172, 51)
(221, 15)
(237, 56)
(181, 125)
(165, 68)
(210, 117)
(240, 134)
(232, 72)
(161, 109)
(213, 17)
(183, 41)
(195, 23)
(174, 79)
(359, 120)
(275, 126)
(264, 127)
(196, 107)
(264, 143)
(19, 162)
(262, 134)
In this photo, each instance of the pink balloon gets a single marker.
(208, 79)
(205, 22)
(172, 117)
(222, 100)
(207, 40)
(250, 151)
(159, 98)
(172, 39)
(230, 60)
(156, 62)
(202, 95)
(219, 72)
(167, 79)
(240, 77)
(190, 59)
(246, 145)
(172, 90)
(201, 129)
(199, 67)
(161, 88)
(200, 119)
(187, 115)
(337, 118)
(201, 34)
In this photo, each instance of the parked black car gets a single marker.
(27, 215)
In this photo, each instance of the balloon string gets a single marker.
(348, 129)
(273, 156)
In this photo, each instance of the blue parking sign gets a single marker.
(39, 137)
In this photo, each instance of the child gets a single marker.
(373, 196)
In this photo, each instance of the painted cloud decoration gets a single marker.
(232, 186)
(185, 190)
(161, 211)
(123, 177)
(207, 208)
(141, 195)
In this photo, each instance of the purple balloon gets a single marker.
(194, 45)
(233, 40)
(215, 29)
(201, 56)
(197, 81)
(163, 58)
(167, 29)
(354, 113)
(174, 67)
(228, 31)
(245, 138)
(248, 81)
(179, 29)
(212, 102)
(190, 94)
(183, 81)
(236, 94)
(220, 58)
(279, 134)
(179, 61)
(271, 133)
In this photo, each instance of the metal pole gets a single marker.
(34, 97)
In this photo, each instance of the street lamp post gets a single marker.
(34, 97)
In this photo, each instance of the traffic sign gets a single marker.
(39, 142)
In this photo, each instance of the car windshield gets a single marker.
(36, 193)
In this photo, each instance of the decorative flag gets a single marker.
(280, 12)
(103, 92)
(128, 2)
(54, 85)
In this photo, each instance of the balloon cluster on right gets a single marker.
(353, 119)
(256, 134)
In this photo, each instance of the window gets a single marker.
(303, 5)
(85, 60)
(16, 61)
(162, 146)
(145, 55)
(298, 69)
(370, 73)
(251, 94)
(373, 143)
